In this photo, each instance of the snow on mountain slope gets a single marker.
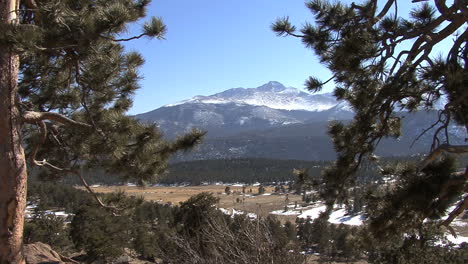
(274, 121)
(272, 94)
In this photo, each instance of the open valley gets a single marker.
(249, 202)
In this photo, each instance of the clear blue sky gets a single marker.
(214, 45)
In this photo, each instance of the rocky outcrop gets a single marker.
(40, 253)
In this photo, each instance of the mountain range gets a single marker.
(275, 121)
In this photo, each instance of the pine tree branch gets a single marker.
(427, 130)
(455, 149)
(38, 118)
(31, 117)
(32, 158)
(384, 11)
(442, 7)
(126, 39)
(461, 207)
(96, 197)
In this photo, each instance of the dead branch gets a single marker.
(31, 117)
(96, 197)
(38, 118)
(461, 207)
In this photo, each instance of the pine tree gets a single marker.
(65, 86)
(383, 61)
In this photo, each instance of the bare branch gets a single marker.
(125, 39)
(384, 11)
(461, 207)
(96, 197)
(34, 117)
(32, 157)
(427, 129)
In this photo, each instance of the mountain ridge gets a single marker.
(272, 94)
(250, 123)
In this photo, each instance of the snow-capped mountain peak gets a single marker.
(271, 86)
(272, 94)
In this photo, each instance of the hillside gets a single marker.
(273, 121)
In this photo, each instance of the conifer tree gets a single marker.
(384, 60)
(65, 86)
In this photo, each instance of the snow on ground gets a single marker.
(252, 216)
(232, 212)
(340, 217)
(30, 211)
(282, 212)
(457, 240)
(313, 213)
(57, 213)
(459, 223)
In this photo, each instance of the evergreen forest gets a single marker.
(68, 81)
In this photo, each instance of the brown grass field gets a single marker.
(250, 202)
(259, 204)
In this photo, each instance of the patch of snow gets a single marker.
(238, 150)
(243, 119)
(457, 240)
(232, 212)
(266, 194)
(459, 223)
(282, 212)
(273, 95)
(252, 216)
(338, 216)
(313, 213)
(57, 213)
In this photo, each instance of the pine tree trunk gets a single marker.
(13, 174)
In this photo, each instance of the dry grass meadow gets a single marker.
(249, 202)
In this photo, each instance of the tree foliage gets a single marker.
(66, 83)
(76, 84)
(384, 61)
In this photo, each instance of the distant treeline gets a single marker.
(247, 170)
(239, 170)
(210, 171)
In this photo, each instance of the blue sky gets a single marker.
(214, 45)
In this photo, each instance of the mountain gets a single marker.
(277, 122)
(272, 95)
(239, 110)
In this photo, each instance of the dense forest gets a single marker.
(196, 232)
